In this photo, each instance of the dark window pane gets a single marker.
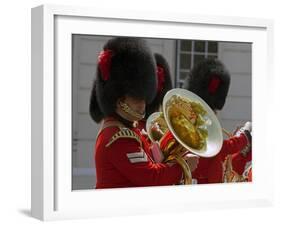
(199, 46)
(212, 56)
(186, 45)
(183, 75)
(198, 58)
(212, 47)
(185, 61)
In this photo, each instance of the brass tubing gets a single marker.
(186, 170)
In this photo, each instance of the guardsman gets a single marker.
(125, 83)
(241, 161)
(210, 80)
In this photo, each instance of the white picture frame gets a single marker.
(52, 197)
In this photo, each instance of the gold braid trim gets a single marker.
(126, 108)
(123, 133)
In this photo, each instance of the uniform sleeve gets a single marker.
(131, 161)
(233, 145)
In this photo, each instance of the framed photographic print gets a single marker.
(69, 45)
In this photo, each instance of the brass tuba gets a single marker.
(186, 125)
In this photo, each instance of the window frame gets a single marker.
(178, 80)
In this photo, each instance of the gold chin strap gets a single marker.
(128, 113)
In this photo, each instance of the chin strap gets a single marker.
(129, 113)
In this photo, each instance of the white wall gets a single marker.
(237, 57)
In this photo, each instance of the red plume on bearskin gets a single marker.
(164, 84)
(104, 63)
(160, 78)
(214, 84)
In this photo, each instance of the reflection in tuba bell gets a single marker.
(187, 124)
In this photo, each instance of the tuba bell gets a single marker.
(186, 125)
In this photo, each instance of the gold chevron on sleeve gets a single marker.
(123, 133)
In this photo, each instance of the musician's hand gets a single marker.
(192, 161)
(156, 132)
(247, 130)
(248, 126)
(156, 152)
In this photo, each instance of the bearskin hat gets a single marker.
(163, 86)
(95, 111)
(125, 67)
(210, 80)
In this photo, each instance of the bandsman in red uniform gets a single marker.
(210, 80)
(241, 161)
(125, 82)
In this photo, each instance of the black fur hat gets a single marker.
(95, 111)
(164, 84)
(210, 80)
(125, 67)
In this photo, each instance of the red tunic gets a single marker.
(210, 170)
(127, 162)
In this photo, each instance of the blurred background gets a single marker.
(181, 55)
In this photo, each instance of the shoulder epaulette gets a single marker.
(123, 133)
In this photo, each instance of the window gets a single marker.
(189, 53)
